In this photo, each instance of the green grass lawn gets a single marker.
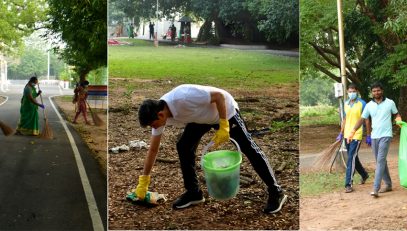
(318, 115)
(210, 66)
(317, 183)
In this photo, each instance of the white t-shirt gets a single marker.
(190, 103)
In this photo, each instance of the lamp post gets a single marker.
(342, 99)
(156, 27)
(48, 66)
(341, 47)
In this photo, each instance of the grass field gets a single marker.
(201, 65)
(318, 115)
(317, 183)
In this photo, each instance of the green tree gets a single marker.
(277, 19)
(32, 61)
(81, 25)
(317, 89)
(250, 20)
(18, 19)
(374, 49)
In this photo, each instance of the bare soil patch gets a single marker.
(94, 136)
(357, 210)
(242, 212)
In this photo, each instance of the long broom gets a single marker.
(46, 131)
(96, 119)
(326, 155)
(8, 131)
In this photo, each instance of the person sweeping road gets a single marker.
(380, 109)
(201, 108)
(28, 122)
(81, 94)
(353, 111)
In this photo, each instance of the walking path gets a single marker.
(48, 184)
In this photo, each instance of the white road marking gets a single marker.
(90, 198)
(4, 100)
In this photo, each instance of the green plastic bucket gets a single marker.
(222, 172)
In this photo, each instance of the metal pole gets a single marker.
(48, 65)
(341, 48)
(156, 27)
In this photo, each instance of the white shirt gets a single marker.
(190, 103)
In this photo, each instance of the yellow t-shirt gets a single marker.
(353, 113)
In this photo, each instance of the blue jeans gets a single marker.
(353, 162)
(380, 148)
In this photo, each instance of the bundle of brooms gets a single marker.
(7, 130)
(326, 156)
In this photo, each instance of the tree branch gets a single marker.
(322, 53)
(326, 72)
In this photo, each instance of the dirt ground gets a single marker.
(242, 212)
(357, 210)
(94, 136)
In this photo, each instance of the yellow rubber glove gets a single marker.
(142, 187)
(222, 135)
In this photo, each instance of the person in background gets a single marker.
(380, 109)
(151, 28)
(353, 111)
(173, 32)
(28, 122)
(81, 95)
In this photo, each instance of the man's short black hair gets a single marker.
(352, 85)
(148, 111)
(376, 85)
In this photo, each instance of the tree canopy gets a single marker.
(248, 20)
(81, 25)
(375, 43)
(18, 19)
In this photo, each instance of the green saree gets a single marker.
(28, 123)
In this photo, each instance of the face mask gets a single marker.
(352, 95)
(33, 84)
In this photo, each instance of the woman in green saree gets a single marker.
(28, 123)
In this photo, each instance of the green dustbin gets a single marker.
(222, 171)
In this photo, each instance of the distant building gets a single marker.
(3, 73)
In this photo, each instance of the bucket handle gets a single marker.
(210, 144)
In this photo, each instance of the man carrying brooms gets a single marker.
(201, 108)
(353, 111)
(380, 109)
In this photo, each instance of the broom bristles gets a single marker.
(326, 155)
(97, 120)
(46, 131)
(8, 131)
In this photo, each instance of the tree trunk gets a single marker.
(220, 30)
(83, 74)
(205, 31)
(402, 107)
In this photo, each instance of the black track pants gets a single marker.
(188, 143)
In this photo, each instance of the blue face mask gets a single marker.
(352, 95)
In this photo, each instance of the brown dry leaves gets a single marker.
(242, 212)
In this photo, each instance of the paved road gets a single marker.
(257, 48)
(41, 185)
